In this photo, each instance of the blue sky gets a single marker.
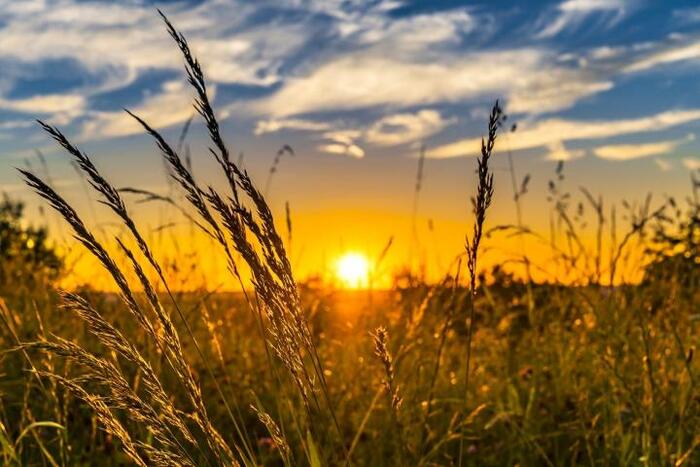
(354, 76)
(356, 86)
(357, 75)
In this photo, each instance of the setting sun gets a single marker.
(353, 270)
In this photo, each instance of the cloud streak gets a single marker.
(390, 130)
(407, 127)
(274, 125)
(525, 76)
(691, 163)
(553, 131)
(626, 152)
(570, 14)
(342, 143)
(174, 96)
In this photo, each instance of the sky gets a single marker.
(357, 88)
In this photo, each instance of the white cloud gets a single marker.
(571, 13)
(174, 96)
(665, 54)
(544, 133)
(274, 125)
(625, 152)
(605, 52)
(390, 130)
(691, 163)
(528, 77)
(351, 150)
(129, 38)
(557, 151)
(413, 32)
(343, 143)
(45, 104)
(343, 136)
(587, 6)
(57, 109)
(369, 23)
(406, 127)
(117, 42)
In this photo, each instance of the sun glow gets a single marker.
(352, 269)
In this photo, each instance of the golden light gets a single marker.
(353, 270)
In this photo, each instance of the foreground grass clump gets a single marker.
(600, 378)
(497, 372)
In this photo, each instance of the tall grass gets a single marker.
(252, 233)
(480, 204)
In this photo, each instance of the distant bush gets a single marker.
(25, 254)
(675, 245)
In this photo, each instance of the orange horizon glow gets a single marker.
(190, 260)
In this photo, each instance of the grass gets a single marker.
(495, 372)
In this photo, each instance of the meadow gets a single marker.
(479, 368)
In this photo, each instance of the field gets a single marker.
(479, 368)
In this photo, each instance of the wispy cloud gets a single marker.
(625, 152)
(60, 108)
(660, 54)
(390, 130)
(407, 127)
(691, 163)
(274, 125)
(173, 96)
(528, 77)
(408, 34)
(570, 14)
(557, 151)
(544, 133)
(342, 143)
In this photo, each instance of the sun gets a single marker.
(353, 270)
